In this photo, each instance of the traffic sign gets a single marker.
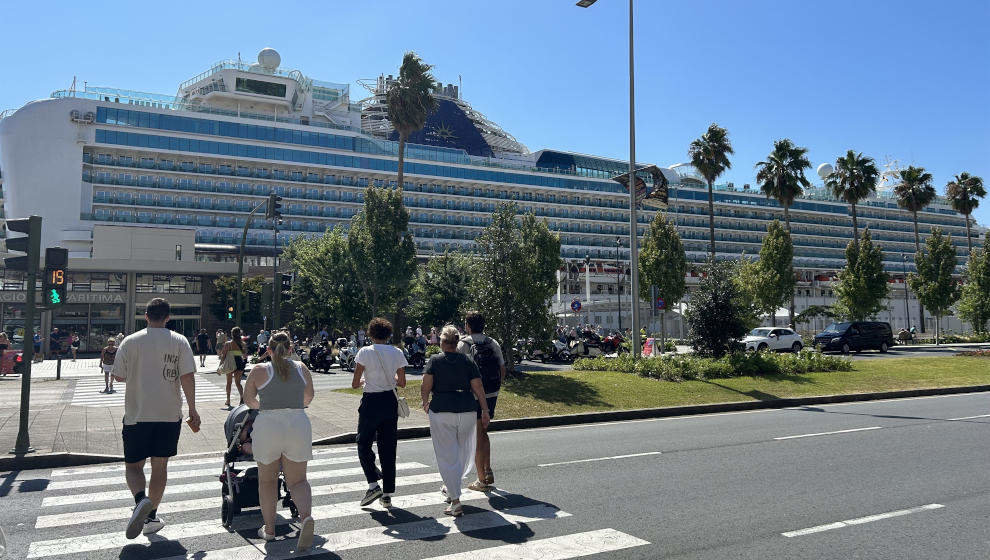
(576, 305)
(661, 304)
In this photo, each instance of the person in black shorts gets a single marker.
(154, 363)
(487, 355)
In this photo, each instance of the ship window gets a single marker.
(260, 87)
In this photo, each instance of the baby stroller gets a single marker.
(240, 488)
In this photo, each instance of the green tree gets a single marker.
(410, 101)
(440, 290)
(382, 250)
(710, 156)
(964, 193)
(781, 176)
(914, 192)
(225, 294)
(326, 290)
(933, 283)
(862, 284)
(855, 178)
(974, 303)
(718, 314)
(772, 277)
(514, 277)
(662, 264)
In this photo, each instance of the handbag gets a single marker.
(228, 364)
(402, 407)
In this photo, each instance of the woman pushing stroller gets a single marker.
(282, 435)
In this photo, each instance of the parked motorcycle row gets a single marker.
(567, 349)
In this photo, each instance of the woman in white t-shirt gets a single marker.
(378, 368)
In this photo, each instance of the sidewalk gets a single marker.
(56, 425)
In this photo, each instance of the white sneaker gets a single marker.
(305, 539)
(136, 524)
(263, 535)
(152, 526)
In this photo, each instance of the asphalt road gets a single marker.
(898, 479)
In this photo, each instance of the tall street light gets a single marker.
(633, 231)
(618, 286)
(907, 310)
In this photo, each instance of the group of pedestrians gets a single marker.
(459, 391)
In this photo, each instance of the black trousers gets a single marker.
(378, 421)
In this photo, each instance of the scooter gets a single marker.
(346, 357)
(558, 352)
(585, 348)
(321, 358)
(611, 343)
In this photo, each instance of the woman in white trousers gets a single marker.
(451, 392)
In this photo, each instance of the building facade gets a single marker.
(199, 161)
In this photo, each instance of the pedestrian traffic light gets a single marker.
(254, 302)
(31, 244)
(54, 282)
(286, 283)
(274, 210)
(230, 313)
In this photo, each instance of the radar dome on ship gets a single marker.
(825, 169)
(269, 59)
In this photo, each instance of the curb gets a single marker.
(58, 460)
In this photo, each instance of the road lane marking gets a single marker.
(599, 459)
(382, 535)
(69, 499)
(860, 520)
(192, 473)
(215, 458)
(107, 514)
(972, 417)
(555, 548)
(830, 433)
(247, 520)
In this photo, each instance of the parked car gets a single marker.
(855, 336)
(771, 338)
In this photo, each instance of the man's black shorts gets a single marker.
(491, 407)
(150, 439)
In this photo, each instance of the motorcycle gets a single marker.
(586, 347)
(346, 357)
(320, 358)
(557, 352)
(415, 353)
(612, 343)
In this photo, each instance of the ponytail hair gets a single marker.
(279, 347)
(235, 337)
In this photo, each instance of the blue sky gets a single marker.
(903, 79)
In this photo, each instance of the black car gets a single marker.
(855, 336)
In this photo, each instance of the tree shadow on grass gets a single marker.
(555, 389)
(761, 395)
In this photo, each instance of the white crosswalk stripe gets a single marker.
(84, 510)
(87, 393)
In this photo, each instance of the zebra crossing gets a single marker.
(84, 510)
(88, 392)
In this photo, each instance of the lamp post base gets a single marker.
(15, 451)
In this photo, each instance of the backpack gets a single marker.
(483, 354)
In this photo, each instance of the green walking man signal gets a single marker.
(230, 313)
(54, 283)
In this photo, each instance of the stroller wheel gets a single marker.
(227, 511)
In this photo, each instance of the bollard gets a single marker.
(58, 367)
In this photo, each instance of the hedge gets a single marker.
(681, 367)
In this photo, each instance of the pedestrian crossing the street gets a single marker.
(87, 392)
(84, 511)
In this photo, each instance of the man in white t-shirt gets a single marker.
(154, 363)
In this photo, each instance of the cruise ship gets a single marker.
(102, 165)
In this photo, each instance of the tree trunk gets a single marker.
(663, 331)
(711, 218)
(938, 321)
(773, 318)
(852, 208)
(917, 251)
(787, 223)
(969, 239)
(402, 158)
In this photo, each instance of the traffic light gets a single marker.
(254, 302)
(54, 282)
(31, 244)
(273, 211)
(230, 313)
(286, 283)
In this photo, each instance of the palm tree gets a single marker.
(914, 193)
(855, 178)
(781, 176)
(964, 194)
(410, 102)
(710, 156)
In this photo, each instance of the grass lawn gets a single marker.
(565, 392)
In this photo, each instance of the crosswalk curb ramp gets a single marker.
(84, 509)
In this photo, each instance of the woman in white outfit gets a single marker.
(282, 438)
(454, 383)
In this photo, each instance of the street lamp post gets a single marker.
(633, 230)
(907, 310)
(240, 264)
(587, 286)
(618, 286)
